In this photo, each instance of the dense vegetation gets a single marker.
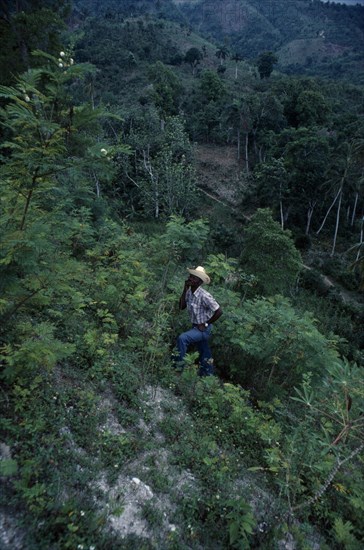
(102, 210)
(309, 36)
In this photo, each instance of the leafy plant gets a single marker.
(241, 523)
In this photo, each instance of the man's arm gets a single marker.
(182, 300)
(217, 314)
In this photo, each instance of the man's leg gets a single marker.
(192, 336)
(206, 361)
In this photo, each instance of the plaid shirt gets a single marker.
(201, 305)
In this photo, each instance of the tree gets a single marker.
(167, 89)
(193, 57)
(269, 254)
(312, 108)
(222, 52)
(267, 113)
(27, 25)
(241, 113)
(211, 86)
(265, 64)
(306, 158)
(236, 57)
(162, 170)
(273, 187)
(347, 169)
(42, 237)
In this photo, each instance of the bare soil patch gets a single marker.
(219, 172)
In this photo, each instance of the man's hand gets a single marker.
(202, 327)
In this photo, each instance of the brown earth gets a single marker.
(219, 173)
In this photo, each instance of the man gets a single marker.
(203, 310)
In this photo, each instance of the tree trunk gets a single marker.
(246, 153)
(309, 218)
(337, 221)
(255, 142)
(260, 154)
(156, 201)
(281, 211)
(97, 184)
(361, 239)
(354, 209)
(154, 179)
(327, 213)
(27, 203)
(29, 198)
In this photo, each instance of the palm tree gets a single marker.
(236, 57)
(222, 53)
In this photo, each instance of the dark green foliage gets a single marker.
(160, 180)
(265, 64)
(291, 30)
(268, 346)
(193, 56)
(101, 215)
(211, 86)
(130, 46)
(26, 26)
(269, 254)
(167, 89)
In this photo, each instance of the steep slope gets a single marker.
(310, 37)
(300, 31)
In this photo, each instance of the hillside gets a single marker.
(309, 37)
(252, 27)
(133, 147)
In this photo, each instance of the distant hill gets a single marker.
(309, 36)
(348, 2)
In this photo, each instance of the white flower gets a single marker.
(60, 65)
(103, 151)
(172, 527)
(62, 54)
(71, 61)
(92, 548)
(27, 98)
(136, 481)
(82, 513)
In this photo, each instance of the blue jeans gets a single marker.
(200, 338)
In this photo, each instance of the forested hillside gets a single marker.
(309, 37)
(138, 139)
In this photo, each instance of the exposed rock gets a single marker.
(11, 537)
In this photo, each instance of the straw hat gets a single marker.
(201, 273)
